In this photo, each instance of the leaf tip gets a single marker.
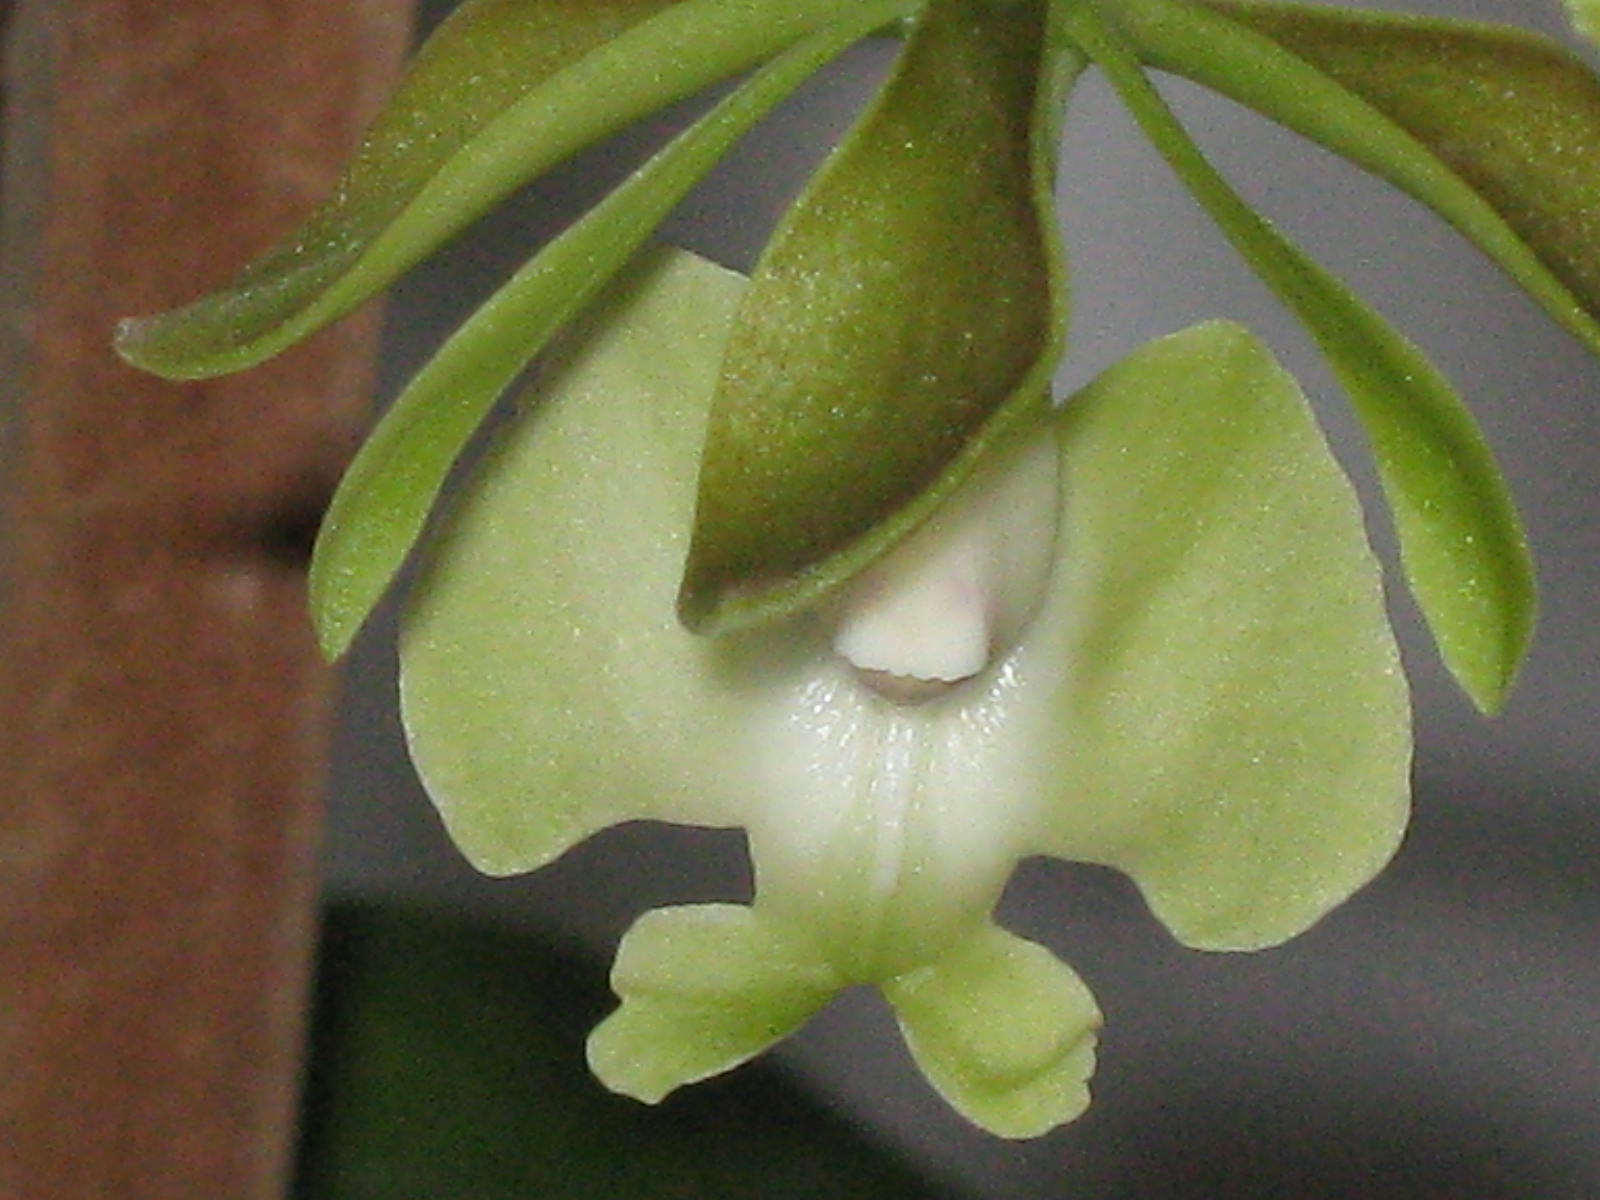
(334, 620)
(130, 339)
(333, 634)
(1485, 644)
(156, 343)
(1489, 686)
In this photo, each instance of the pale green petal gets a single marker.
(1461, 542)
(704, 988)
(546, 686)
(1231, 723)
(1004, 1030)
(548, 690)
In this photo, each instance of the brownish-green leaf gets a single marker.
(502, 92)
(1495, 128)
(1461, 542)
(906, 312)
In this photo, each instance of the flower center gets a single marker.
(958, 593)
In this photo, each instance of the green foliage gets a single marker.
(1461, 541)
(504, 91)
(1394, 93)
(384, 498)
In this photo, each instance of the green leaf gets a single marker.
(1495, 129)
(504, 91)
(905, 317)
(384, 498)
(1232, 728)
(1462, 545)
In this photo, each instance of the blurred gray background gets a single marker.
(1439, 1036)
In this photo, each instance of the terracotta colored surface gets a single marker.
(162, 709)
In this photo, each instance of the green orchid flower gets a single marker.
(1149, 634)
(816, 556)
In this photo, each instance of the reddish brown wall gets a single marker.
(162, 711)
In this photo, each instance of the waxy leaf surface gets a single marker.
(1462, 544)
(902, 318)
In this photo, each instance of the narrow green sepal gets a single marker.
(1462, 544)
(905, 316)
(1495, 128)
(505, 90)
(483, 59)
(385, 496)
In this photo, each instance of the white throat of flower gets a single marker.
(956, 595)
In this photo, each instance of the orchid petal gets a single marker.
(1230, 721)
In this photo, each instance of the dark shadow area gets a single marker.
(448, 1062)
(1324, 1141)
